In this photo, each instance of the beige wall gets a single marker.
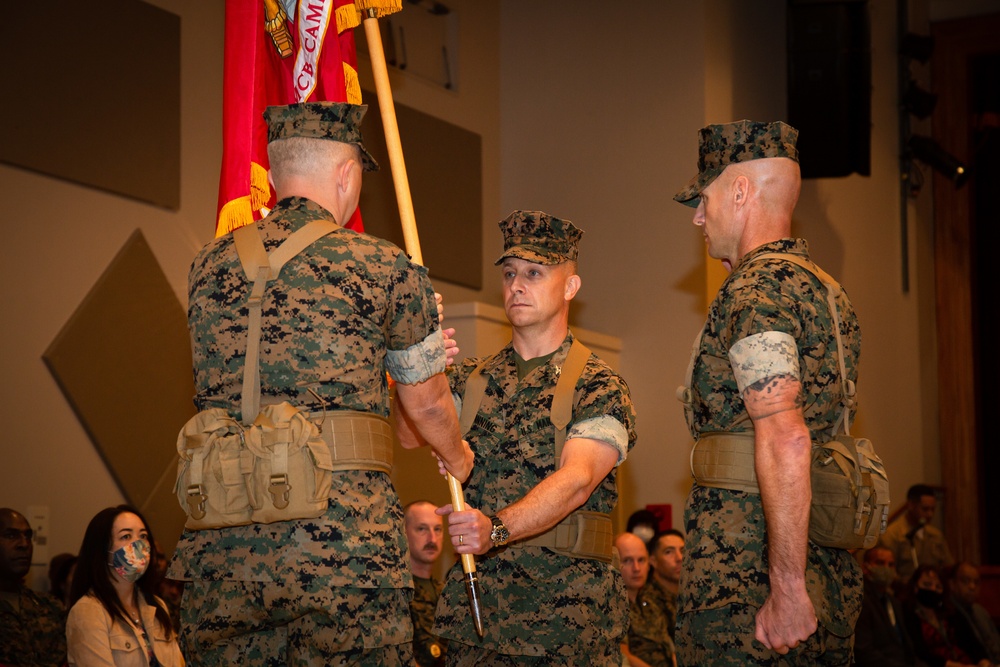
(585, 113)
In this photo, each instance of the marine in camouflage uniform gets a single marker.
(539, 607)
(342, 312)
(649, 632)
(769, 329)
(428, 649)
(32, 626)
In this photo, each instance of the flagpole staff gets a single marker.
(412, 243)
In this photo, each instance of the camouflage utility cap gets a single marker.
(337, 121)
(539, 237)
(723, 145)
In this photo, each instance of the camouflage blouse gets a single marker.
(329, 321)
(726, 543)
(536, 602)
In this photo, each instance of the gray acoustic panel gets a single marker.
(123, 361)
(444, 170)
(92, 95)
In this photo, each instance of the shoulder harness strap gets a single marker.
(833, 290)
(260, 268)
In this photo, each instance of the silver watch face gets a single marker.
(499, 534)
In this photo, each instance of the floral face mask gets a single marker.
(131, 561)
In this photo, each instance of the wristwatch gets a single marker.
(499, 535)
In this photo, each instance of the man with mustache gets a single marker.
(424, 533)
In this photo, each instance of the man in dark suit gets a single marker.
(880, 638)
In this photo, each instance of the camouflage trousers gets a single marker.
(725, 637)
(261, 624)
(464, 655)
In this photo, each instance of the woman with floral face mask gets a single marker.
(115, 619)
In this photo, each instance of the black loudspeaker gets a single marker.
(829, 85)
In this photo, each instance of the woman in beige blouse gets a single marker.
(115, 620)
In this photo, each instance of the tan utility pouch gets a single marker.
(850, 490)
(211, 473)
(582, 534)
(277, 469)
(850, 494)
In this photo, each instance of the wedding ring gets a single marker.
(461, 539)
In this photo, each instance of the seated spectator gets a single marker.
(933, 633)
(666, 552)
(115, 618)
(643, 523)
(881, 638)
(913, 539)
(424, 536)
(971, 618)
(648, 642)
(31, 625)
(168, 590)
(61, 569)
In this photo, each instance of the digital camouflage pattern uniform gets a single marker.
(342, 312)
(724, 579)
(664, 600)
(536, 603)
(428, 649)
(33, 633)
(649, 631)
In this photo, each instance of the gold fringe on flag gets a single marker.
(347, 18)
(239, 212)
(381, 7)
(353, 85)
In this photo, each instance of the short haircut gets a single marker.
(408, 506)
(661, 534)
(302, 157)
(918, 491)
(869, 555)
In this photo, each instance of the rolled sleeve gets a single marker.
(418, 362)
(605, 428)
(762, 356)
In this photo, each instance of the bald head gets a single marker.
(634, 560)
(774, 184)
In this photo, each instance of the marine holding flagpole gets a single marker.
(294, 323)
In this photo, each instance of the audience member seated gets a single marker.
(168, 590)
(424, 536)
(115, 618)
(971, 618)
(880, 637)
(61, 568)
(912, 539)
(648, 641)
(933, 633)
(643, 523)
(31, 625)
(666, 552)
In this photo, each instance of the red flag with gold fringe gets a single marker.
(277, 52)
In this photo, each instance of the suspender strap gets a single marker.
(562, 397)
(260, 268)
(833, 290)
(475, 390)
(582, 534)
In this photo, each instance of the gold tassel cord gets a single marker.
(380, 7)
